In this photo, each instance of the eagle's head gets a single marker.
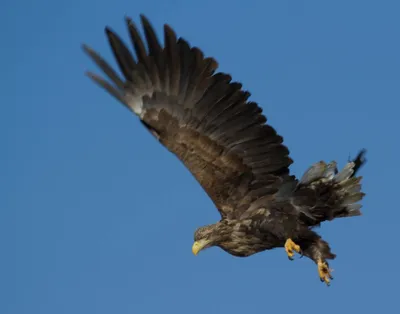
(205, 237)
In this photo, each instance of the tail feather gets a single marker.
(359, 161)
(350, 199)
(354, 210)
(331, 193)
(345, 173)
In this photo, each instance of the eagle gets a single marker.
(206, 120)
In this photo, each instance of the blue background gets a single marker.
(97, 217)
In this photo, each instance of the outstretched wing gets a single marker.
(199, 115)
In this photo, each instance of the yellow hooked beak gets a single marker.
(198, 246)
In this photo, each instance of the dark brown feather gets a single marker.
(201, 116)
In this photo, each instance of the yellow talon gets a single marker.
(324, 272)
(291, 247)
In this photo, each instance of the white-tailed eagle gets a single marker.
(206, 120)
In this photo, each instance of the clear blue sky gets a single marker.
(97, 217)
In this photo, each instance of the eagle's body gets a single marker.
(206, 120)
(249, 236)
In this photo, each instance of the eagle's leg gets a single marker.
(291, 247)
(319, 251)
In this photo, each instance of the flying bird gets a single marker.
(205, 118)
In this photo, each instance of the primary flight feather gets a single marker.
(206, 120)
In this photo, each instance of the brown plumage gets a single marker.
(206, 120)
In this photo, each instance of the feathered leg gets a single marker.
(317, 249)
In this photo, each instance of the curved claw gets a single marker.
(324, 272)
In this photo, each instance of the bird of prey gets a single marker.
(205, 118)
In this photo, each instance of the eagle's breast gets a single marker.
(244, 238)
